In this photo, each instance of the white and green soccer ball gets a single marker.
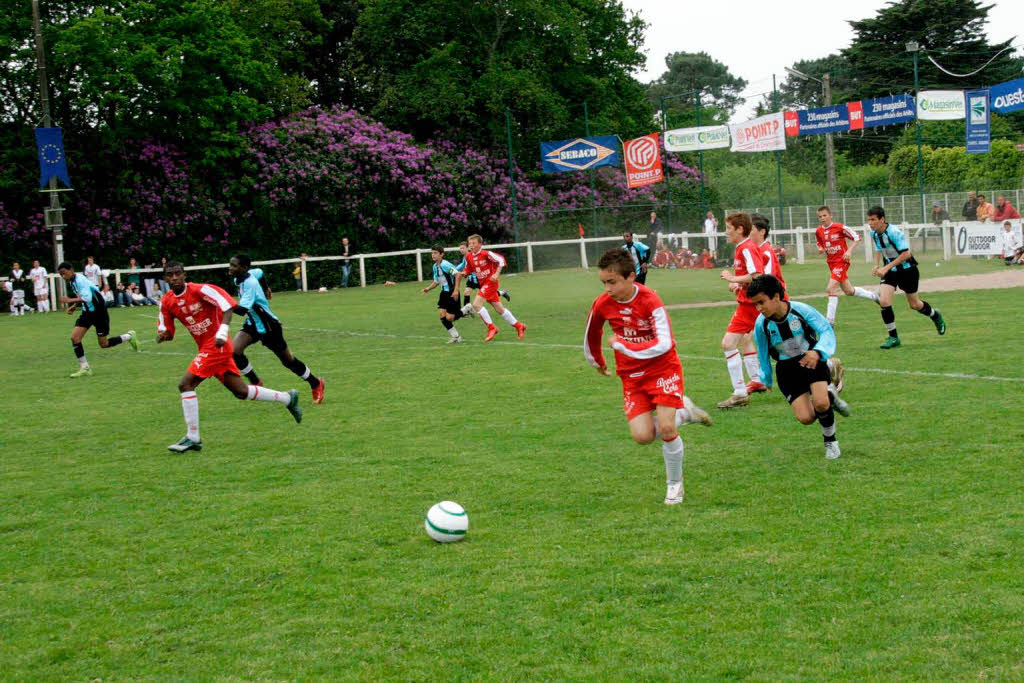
(446, 522)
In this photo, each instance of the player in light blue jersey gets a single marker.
(802, 343)
(641, 254)
(896, 265)
(471, 281)
(448, 308)
(263, 326)
(86, 296)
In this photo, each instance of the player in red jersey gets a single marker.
(205, 310)
(831, 238)
(645, 361)
(486, 265)
(762, 226)
(747, 263)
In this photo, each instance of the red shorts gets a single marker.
(489, 291)
(661, 385)
(743, 319)
(838, 271)
(214, 362)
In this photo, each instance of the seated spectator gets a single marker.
(663, 257)
(939, 214)
(705, 259)
(138, 298)
(108, 296)
(1011, 245)
(123, 295)
(985, 210)
(780, 253)
(1004, 210)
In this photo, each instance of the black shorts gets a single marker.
(641, 277)
(273, 338)
(472, 282)
(904, 278)
(448, 303)
(796, 380)
(98, 319)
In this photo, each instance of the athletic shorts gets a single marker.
(41, 292)
(641, 277)
(472, 282)
(660, 385)
(903, 278)
(215, 362)
(743, 319)
(795, 381)
(272, 338)
(98, 319)
(448, 303)
(839, 271)
(489, 291)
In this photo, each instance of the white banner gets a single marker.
(981, 239)
(696, 139)
(941, 105)
(763, 134)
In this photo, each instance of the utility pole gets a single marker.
(700, 155)
(913, 47)
(590, 172)
(778, 154)
(830, 150)
(668, 183)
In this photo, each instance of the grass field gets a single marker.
(288, 551)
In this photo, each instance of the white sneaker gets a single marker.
(697, 414)
(455, 340)
(674, 493)
(831, 451)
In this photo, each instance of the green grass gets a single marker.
(297, 552)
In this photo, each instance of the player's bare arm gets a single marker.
(810, 359)
(429, 287)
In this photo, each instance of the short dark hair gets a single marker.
(825, 207)
(618, 261)
(876, 211)
(173, 265)
(64, 265)
(438, 248)
(761, 222)
(244, 260)
(768, 285)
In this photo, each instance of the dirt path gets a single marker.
(1001, 279)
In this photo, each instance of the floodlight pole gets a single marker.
(914, 48)
(512, 176)
(590, 172)
(778, 154)
(668, 186)
(830, 149)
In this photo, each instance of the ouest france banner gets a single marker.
(696, 139)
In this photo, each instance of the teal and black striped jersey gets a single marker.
(802, 330)
(444, 275)
(87, 292)
(251, 297)
(892, 242)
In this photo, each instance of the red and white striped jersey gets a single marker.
(771, 263)
(484, 264)
(747, 261)
(200, 308)
(643, 334)
(832, 239)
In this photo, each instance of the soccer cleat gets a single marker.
(841, 406)
(832, 450)
(492, 332)
(84, 371)
(674, 493)
(132, 341)
(520, 329)
(697, 414)
(890, 343)
(468, 311)
(318, 392)
(293, 405)
(455, 340)
(835, 369)
(756, 387)
(505, 295)
(186, 444)
(734, 401)
(940, 322)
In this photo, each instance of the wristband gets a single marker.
(222, 331)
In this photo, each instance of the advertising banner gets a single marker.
(643, 161)
(940, 105)
(882, 111)
(978, 134)
(981, 239)
(696, 139)
(580, 154)
(834, 119)
(763, 134)
(1009, 96)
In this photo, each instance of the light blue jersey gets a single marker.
(640, 253)
(444, 275)
(892, 242)
(802, 330)
(251, 297)
(471, 278)
(86, 291)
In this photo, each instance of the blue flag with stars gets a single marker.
(52, 162)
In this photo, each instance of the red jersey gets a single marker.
(643, 334)
(833, 240)
(200, 308)
(771, 262)
(747, 261)
(484, 264)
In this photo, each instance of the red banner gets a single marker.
(792, 123)
(643, 161)
(856, 110)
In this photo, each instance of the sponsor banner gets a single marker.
(941, 105)
(643, 161)
(791, 121)
(981, 239)
(882, 111)
(696, 139)
(580, 154)
(1007, 97)
(978, 133)
(855, 111)
(834, 119)
(763, 134)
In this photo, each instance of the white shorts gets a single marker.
(42, 292)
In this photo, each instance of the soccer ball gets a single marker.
(322, 290)
(446, 522)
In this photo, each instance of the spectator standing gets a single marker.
(1004, 210)
(970, 210)
(711, 231)
(132, 278)
(939, 214)
(297, 272)
(93, 272)
(985, 210)
(346, 265)
(655, 227)
(40, 287)
(1011, 244)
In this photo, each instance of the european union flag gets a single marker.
(52, 162)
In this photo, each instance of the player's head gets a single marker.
(35, 263)
(617, 273)
(627, 237)
(876, 218)
(463, 247)
(738, 226)
(437, 253)
(761, 224)
(766, 293)
(475, 242)
(174, 273)
(238, 266)
(1007, 227)
(981, 198)
(824, 214)
(66, 270)
(90, 260)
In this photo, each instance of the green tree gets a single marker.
(686, 72)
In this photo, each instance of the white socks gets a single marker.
(485, 316)
(454, 333)
(264, 394)
(508, 317)
(673, 453)
(190, 406)
(865, 294)
(753, 366)
(833, 304)
(734, 362)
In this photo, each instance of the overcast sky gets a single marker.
(756, 39)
